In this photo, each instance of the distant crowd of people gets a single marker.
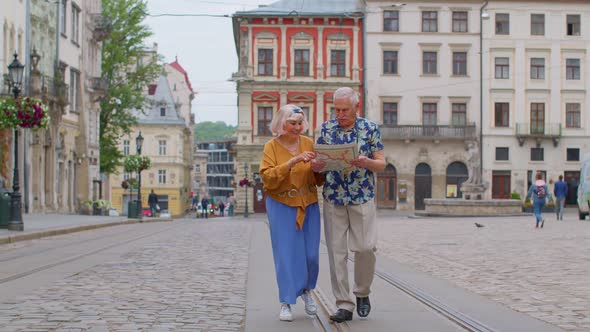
(207, 207)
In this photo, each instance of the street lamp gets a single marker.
(246, 188)
(138, 144)
(15, 71)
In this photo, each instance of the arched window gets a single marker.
(456, 174)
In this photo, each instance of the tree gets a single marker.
(208, 129)
(125, 67)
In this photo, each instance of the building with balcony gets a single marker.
(215, 167)
(422, 69)
(535, 92)
(296, 55)
(167, 141)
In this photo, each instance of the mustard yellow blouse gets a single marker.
(295, 187)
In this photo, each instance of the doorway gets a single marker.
(422, 185)
(386, 188)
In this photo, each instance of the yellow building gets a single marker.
(168, 137)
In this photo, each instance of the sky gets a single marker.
(205, 48)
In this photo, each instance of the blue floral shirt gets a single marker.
(355, 186)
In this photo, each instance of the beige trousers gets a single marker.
(350, 227)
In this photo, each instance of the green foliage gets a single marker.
(208, 129)
(128, 70)
(514, 195)
(136, 163)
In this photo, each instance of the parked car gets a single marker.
(584, 189)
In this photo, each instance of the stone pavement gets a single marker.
(544, 273)
(190, 276)
(42, 225)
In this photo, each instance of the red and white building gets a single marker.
(291, 55)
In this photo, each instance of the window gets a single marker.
(537, 154)
(162, 111)
(301, 62)
(459, 21)
(460, 63)
(537, 118)
(265, 62)
(537, 68)
(503, 68)
(75, 24)
(429, 114)
(390, 114)
(572, 69)
(429, 63)
(389, 62)
(502, 153)
(74, 90)
(502, 24)
(572, 115)
(162, 147)
(126, 147)
(537, 24)
(502, 114)
(459, 114)
(126, 176)
(161, 176)
(197, 168)
(391, 20)
(573, 25)
(573, 154)
(338, 63)
(264, 118)
(62, 17)
(429, 21)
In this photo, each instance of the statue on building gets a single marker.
(473, 163)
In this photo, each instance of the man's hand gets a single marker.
(361, 161)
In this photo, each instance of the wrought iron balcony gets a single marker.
(98, 85)
(101, 27)
(538, 132)
(4, 85)
(55, 89)
(419, 132)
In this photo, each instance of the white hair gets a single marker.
(347, 93)
(287, 112)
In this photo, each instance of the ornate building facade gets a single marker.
(298, 56)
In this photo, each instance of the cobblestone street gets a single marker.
(541, 272)
(189, 279)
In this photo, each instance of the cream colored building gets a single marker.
(168, 137)
(422, 69)
(62, 55)
(536, 92)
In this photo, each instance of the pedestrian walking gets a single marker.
(194, 203)
(349, 204)
(153, 203)
(205, 207)
(221, 208)
(560, 191)
(539, 193)
(231, 203)
(292, 209)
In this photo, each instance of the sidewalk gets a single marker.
(41, 225)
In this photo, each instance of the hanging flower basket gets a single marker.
(23, 112)
(245, 182)
(137, 163)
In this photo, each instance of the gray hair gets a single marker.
(287, 112)
(347, 93)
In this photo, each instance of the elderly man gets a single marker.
(349, 204)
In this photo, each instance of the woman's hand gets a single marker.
(361, 161)
(317, 165)
(305, 156)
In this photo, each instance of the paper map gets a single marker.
(337, 157)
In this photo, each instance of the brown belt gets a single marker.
(294, 192)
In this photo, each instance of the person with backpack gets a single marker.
(539, 193)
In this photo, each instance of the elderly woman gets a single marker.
(292, 208)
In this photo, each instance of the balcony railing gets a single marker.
(101, 27)
(98, 85)
(539, 132)
(55, 89)
(419, 132)
(4, 85)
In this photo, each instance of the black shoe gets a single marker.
(341, 315)
(363, 306)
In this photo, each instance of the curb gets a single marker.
(74, 229)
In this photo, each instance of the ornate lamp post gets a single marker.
(16, 70)
(246, 189)
(139, 143)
